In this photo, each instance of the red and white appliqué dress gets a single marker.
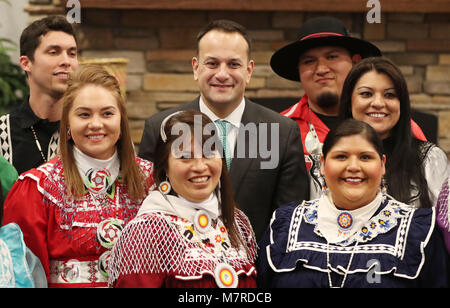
(62, 233)
(161, 249)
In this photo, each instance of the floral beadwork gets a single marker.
(384, 221)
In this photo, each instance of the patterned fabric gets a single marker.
(159, 243)
(87, 212)
(6, 149)
(5, 138)
(397, 245)
(59, 229)
(443, 214)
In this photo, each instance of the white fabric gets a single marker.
(178, 206)
(327, 215)
(437, 170)
(85, 163)
(75, 271)
(235, 118)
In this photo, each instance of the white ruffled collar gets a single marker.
(98, 175)
(178, 206)
(327, 218)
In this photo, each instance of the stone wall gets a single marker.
(161, 44)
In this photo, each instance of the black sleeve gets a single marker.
(293, 184)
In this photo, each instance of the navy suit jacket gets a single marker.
(257, 192)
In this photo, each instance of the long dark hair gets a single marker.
(160, 167)
(404, 164)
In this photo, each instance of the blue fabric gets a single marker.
(19, 267)
(294, 254)
(224, 127)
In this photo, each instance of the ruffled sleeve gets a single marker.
(25, 206)
(273, 244)
(437, 169)
(419, 233)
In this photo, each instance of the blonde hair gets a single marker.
(132, 175)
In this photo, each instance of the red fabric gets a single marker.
(33, 204)
(300, 113)
(169, 281)
(152, 253)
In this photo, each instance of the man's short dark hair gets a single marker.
(227, 26)
(31, 36)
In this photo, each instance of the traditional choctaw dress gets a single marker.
(443, 214)
(73, 238)
(383, 244)
(176, 243)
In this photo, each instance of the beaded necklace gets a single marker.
(38, 144)
(346, 271)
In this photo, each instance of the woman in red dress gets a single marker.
(188, 233)
(72, 209)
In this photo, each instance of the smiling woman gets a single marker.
(334, 241)
(376, 92)
(78, 203)
(188, 233)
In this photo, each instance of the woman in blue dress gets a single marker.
(355, 234)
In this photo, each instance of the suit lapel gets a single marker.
(240, 166)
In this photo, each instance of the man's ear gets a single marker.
(250, 68)
(195, 67)
(356, 58)
(25, 63)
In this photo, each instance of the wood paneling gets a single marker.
(423, 6)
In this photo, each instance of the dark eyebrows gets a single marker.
(81, 108)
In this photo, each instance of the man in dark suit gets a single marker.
(267, 169)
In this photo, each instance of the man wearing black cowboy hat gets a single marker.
(320, 59)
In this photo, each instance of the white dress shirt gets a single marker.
(234, 118)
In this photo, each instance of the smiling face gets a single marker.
(94, 122)
(375, 101)
(323, 70)
(194, 178)
(54, 59)
(353, 170)
(222, 70)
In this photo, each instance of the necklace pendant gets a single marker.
(108, 232)
(202, 222)
(345, 221)
(226, 276)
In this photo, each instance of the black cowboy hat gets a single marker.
(316, 32)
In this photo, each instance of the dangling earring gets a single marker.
(383, 187)
(324, 187)
(164, 187)
(69, 134)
